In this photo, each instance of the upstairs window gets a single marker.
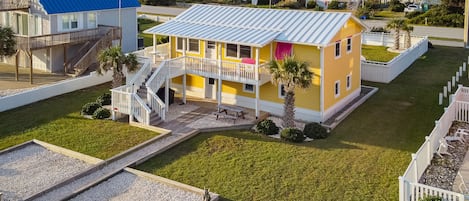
(337, 49)
(349, 44)
(337, 89)
(91, 20)
(238, 51)
(192, 45)
(70, 22)
(349, 82)
(179, 44)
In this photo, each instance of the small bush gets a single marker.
(413, 14)
(267, 127)
(379, 29)
(337, 5)
(312, 4)
(104, 99)
(292, 135)
(396, 6)
(319, 8)
(90, 108)
(431, 198)
(315, 131)
(101, 113)
(290, 4)
(362, 12)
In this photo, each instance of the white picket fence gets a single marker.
(51, 90)
(385, 72)
(409, 188)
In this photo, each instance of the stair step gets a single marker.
(155, 119)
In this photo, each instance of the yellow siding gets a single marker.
(337, 69)
(191, 80)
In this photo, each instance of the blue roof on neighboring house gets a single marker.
(70, 6)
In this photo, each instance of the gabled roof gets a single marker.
(70, 6)
(240, 24)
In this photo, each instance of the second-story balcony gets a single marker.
(11, 5)
(50, 40)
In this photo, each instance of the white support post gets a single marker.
(166, 94)
(184, 88)
(449, 86)
(429, 150)
(271, 51)
(219, 75)
(467, 59)
(414, 158)
(440, 99)
(113, 113)
(445, 91)
(451, 98)
(170, 50)
(457, 76)
(402, 188)
(453, 81)
(257, 82)
(154, 48)
(464, 66)
(460, 71)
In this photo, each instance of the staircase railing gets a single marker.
(140, 111)
(154, 83)
(82, 51)
(139, 77)
(90, 57)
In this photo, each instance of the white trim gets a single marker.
(340, 49)
(348, 81)
(337, 88)
(247, 91)
(279, 91)
(341, 104)
(266, 106)
(238, 50)
(347, 44)
(321, 88)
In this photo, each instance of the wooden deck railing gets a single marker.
(90, 57)
(45, 41)
(10, 5)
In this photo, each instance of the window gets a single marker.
(281, 91)
(69, 22)
(238, 51)
(179, 44)
(248, 88)
(349, 44)
(37, 25)
(231, 50)
(211, 81)
(6, 18)
(193, 45)
(349, 82)
(91, 20)
(337, 49)
(337, 89)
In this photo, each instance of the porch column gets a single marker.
(170, 51)
(219, 74)
(155, 43)
(166, 94)
(184, 88)
(257, 82)
(271, 50)
(16, 65)
(65, 60)
(31, 65)
(184, 77)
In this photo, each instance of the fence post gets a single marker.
(449, 86)
(464, 66)
(453, 81)
(414, 159)
(451, 97)
(460, 71)
(440, 98)
(457, 76)
(429, 151)
(402, 189)
(445, 91)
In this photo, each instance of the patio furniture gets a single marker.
(239, 112)
(443, 147)
(462, 186)
(225, 116)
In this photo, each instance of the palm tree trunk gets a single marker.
(117, 77)
(397, 39)
(408, 40)
(289, 110)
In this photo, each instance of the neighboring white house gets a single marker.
(58, 34)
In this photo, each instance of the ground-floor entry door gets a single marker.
(210, 88)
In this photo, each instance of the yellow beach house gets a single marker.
(221, 53)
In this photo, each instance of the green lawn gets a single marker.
(361, 160)
(144, 25)
(377, 53)
(388, 14)
(58, 121)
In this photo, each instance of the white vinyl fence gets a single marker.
(385, 72)
(409, 188)
(51, 90)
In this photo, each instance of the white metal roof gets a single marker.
(254, 26)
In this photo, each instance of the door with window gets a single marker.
(210, 88)
(211, 51)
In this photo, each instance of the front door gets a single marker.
(210, 50)
(210, 88)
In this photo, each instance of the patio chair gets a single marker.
(443, 148)
(462, 186)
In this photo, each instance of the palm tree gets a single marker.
(113, 58)
(7, 42)
(397, 25)
(291, 74)
(407, 28)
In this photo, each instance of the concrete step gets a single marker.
(155, 119)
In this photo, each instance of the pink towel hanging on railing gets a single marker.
(248, 61)
(283, 49)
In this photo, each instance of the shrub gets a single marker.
(267, 127)
(292, 135)
(318, 8)
(336, 5)
(396, 6)
(362, 12)
(312, 4)
(101, 113)
(104, 99)
(315, 131)
(413, 14)
(289, 4)
(431, 198)
(90, 108)
(379, 29)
